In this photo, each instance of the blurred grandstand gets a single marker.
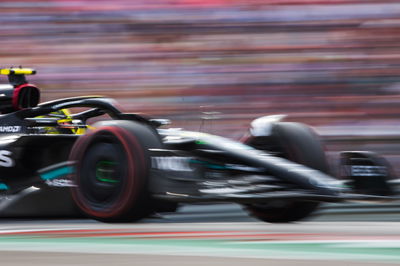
(333, 64)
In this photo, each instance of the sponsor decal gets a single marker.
(223, 190)
(171, 163)
(241, 167)
(60, 183)
(368, 170)
(5, 160)
(10, 129)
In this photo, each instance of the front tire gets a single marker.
(112, 167)
(298, 143)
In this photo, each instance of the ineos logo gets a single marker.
(173, 163)
(5, 160)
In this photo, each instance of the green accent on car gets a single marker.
(107, 180)
(105, 170)
(201, 142)
(62, 171)
(3, 186)
(208, 165)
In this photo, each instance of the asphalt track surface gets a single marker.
(198, 235)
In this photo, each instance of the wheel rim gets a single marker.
(105, 170)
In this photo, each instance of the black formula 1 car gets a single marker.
(126, 167)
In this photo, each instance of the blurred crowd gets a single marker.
(323, 62)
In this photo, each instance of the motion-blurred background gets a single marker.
(333, 64)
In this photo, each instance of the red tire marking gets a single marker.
(129, 142)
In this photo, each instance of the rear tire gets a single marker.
(112, 167)
(298, 143)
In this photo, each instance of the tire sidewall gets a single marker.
(135, 139)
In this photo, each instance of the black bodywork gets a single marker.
(191, 163)
(28, 154)
(197, 166)
(190, 166)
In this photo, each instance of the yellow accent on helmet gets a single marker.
(66, 119)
